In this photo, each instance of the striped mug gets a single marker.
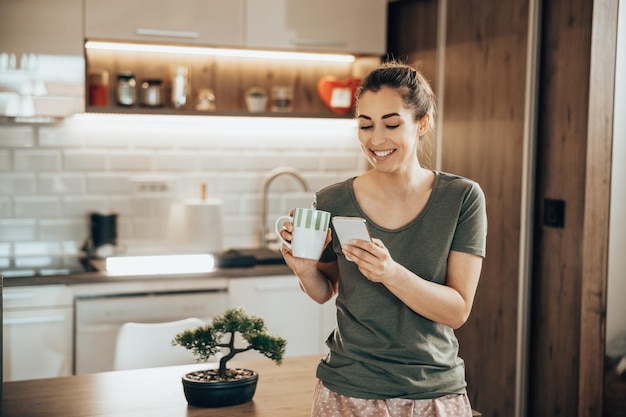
(309, 232)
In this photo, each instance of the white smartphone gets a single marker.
(349, 228)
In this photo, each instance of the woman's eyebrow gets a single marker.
(386, 116)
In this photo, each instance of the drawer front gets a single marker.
(37, 344)
(36, 296)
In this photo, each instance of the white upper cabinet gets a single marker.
(202, 22)
(354, 26)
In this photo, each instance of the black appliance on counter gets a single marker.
(103, 233)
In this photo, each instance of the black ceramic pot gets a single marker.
(219, 394)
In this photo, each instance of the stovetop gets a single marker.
(44, 265)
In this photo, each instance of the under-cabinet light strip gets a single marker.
(164, 264)
(196, 50)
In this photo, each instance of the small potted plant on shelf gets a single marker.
(226, 386)
(256, 99)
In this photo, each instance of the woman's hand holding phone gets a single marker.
(349, 229)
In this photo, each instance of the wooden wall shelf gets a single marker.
(242, 113)
(229, 78)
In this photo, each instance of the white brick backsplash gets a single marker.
(17, 184)
(98, 162)
(236, 182)
(318, 181)
(124, 229)
(130, 161)
(230, 204)
(80, 206)
(37, 248)
(151, 207)
(341, 161)
(260, 161)
(5, 207)
(177, 161)
(6, 249)
(242, 226)
(303, 161)
(18, 230)
(109, 183)
(84, 161)
(149, 228)
(37, 207)
(123, 205)
(66, 135)
(293, 201)
(61, 184)
(222, 161)
(59, 230)
(17, 137)
(108, 137)
(249, 203)
(37, 161)
(6, 159)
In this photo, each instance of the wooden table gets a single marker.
(282, 391)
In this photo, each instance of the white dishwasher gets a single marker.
(101, 309)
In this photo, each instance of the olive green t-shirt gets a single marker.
(380, 348)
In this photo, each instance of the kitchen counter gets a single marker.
(103, 277)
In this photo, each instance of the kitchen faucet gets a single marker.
(271, 176)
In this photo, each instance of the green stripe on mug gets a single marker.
(297, 221)
(311, 219)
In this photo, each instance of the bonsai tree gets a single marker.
(206, 341)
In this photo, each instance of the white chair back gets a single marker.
(148, 345)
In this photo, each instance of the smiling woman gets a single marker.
(420, 269)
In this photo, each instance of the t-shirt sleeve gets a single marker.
(470, 235)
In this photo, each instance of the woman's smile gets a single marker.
(382, 154)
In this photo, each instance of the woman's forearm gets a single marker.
(319, 283)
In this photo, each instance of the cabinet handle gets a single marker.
(277, 286)
(33, 320)
(168, 33)
(317, 42)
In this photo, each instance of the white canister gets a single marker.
(196, 226)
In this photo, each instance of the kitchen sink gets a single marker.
(239, 257)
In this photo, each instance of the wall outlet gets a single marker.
(152, 187)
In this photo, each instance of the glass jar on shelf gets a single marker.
(152, 93)
(126, 89)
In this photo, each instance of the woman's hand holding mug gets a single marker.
(309, 233)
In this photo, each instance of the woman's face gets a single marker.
(388, 134)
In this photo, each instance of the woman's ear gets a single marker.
(424, 123)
